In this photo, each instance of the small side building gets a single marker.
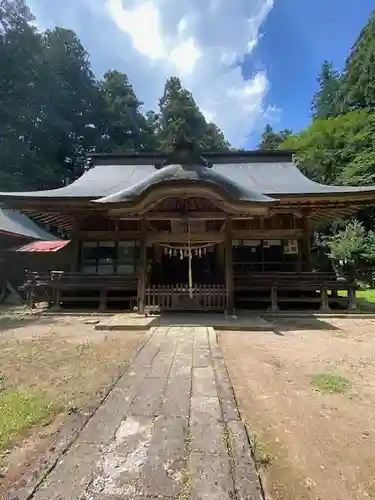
(186, 231)
(20, 243)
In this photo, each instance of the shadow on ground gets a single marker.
(309, 322)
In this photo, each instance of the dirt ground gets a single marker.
(309, 444)
(66, 362)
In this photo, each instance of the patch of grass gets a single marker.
(330, 383)
(262, 455)
(368, 295)
(19, 410)
(365, 298)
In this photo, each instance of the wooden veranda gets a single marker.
(270, 291)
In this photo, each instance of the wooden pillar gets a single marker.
(229, 266)
(142, 267)
(56, 286)
(352, 299)
(75, 248)
(324, 304)
(221, 260)
(274, 300)
(31, 286)
(306, 246)
(261, 227)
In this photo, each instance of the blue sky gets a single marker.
(298, 36)
(247, 62)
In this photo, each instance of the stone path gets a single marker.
(131, 321)
(169, 429)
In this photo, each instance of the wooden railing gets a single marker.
(61, 287)
(276, 287)
(266, 266)
(180, 298)
(272, 288)
(252, 280)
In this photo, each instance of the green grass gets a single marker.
(19, 410)
(330, 383)
(365, 299)
(368, 295)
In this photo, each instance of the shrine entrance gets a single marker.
(187, 254)
(183, 278)
(170, 265)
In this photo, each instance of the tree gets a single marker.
(21, 96)
(13, 14)
(351, 247)
(54, 111)
(72, 102)
(347, 244)
(338, 149)
(181, 119)
(124, 128)
(358, 90)
(272, 140)
(214, 139)
(48, 103)
(325, 101)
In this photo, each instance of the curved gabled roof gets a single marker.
(247, 175)
(188, 174)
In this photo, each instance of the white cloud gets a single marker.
(185, 56)
(198, 40)
(143, 26)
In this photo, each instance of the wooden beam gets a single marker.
(214, 237)
(110, 235)
(142, 267)
(192, 215)
(75, 256)
(306, 246)
(267, 234)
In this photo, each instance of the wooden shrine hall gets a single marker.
(185, 231)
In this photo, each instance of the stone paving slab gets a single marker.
(72, 473)
(211, 477)
(225, 391)
(132, 321)
(245, 477)
(169, 429)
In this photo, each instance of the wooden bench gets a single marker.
(289, 287)
(60, 288)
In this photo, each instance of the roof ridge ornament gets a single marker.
(186, 154)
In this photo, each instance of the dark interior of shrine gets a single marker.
(171, 266)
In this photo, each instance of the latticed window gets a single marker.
(109, 257)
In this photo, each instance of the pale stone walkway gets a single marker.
(169, 429)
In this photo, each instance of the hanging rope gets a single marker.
(178, 248)
(190, 271)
